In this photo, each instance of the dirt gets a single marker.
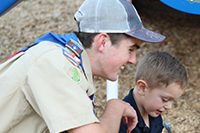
(31, 19)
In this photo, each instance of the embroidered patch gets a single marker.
(74, 47)
(74, 74)
(71, 55)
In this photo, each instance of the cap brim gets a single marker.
(146, 35)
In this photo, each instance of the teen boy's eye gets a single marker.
(132, 49)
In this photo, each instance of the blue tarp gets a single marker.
(187, 6)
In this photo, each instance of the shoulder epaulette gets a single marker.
(74, 47)
(73, 51)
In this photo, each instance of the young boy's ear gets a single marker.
(141, 86)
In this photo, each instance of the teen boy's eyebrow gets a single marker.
(135, 46)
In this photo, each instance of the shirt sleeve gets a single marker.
(57, 91)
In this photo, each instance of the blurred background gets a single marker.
(29, 20)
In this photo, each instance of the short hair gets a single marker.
(87, 38)
(161, 68)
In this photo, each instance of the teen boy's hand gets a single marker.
(117, 109)
(130, 117)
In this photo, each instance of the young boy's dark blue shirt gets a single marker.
(155, 122)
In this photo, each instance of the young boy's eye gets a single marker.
(164, 100)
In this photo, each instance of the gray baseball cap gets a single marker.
(113, 16)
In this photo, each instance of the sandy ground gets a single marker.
(31, 19)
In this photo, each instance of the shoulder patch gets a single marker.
(74, 74)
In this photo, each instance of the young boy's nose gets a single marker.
(168, 105)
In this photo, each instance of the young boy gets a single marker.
(160, 80)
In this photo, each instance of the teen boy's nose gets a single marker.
(132, 59)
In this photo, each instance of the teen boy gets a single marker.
(48, 86)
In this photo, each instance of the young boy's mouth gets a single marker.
(159, 112)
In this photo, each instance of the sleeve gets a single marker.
(58, 97)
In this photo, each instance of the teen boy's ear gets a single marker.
(102, 40)
(141, 87)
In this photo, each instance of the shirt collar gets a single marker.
(153, 121)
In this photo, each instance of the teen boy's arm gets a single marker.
(111, 118)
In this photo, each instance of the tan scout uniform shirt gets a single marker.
(40, 92)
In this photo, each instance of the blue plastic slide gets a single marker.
(6, 5)
(187, 6)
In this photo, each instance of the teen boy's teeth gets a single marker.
(122, 67)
